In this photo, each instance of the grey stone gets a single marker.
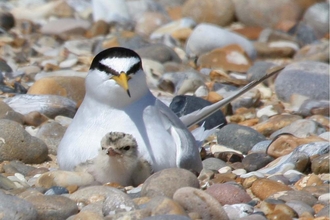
(53, 206)
(307, 78)
(12, 207)
(255, 161)
(183, 104)
(17, 144)
(206, 37)
(317, 16)
(167, 181)
(51, 133)
(196, 200)
(213, 163)
(301, 128)
(238, 137)
(300, 207)
(258, 70)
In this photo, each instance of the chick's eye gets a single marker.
(126, 148)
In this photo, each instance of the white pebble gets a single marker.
(226, 169)
(239, 172)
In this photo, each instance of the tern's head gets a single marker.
(116, 75)
(119, 144)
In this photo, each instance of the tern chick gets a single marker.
(118, 161)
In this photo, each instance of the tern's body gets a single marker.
(162, 138)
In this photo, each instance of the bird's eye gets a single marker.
(126, 148)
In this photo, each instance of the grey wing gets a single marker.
(187, 152)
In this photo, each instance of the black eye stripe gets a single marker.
(107, 69)
(134, 68)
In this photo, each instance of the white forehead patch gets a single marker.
(120, 64)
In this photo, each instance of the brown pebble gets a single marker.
(72, 188)
(223, 177)
(67, 86)
(196, 200)
(100, 27)
(318, 207)
(247, 183)
(162, 205)
(35, 118)
(39, 170)
(224, 194)
(275, 123)
(214, 97)
(320, 164)
(219, 59)
(263, 188)
(310, 180)
(285, 144)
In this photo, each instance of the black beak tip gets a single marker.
(128, 93)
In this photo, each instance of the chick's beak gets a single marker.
(122, 80)
(111, 152)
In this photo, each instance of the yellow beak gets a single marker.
(122, 80)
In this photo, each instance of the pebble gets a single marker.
(159, 52)
(320, 164)
(65, 26)
(60, 86)
(173, 28)
(16, 166)
(275, 123)
(114, 12)
(53, 206)
(202, 40)
(314, 107)
(296, 196)
(64, 179)
(285, 143)
(6, 112)
(277, 210)
(148, 22)
(300, 207)
(317, 16)
(183, 104)
(297, 76)
(213, 164)
(298, 159)
(7, 20)
(260, 147)
(309, 180)
(256, 12)
(13, 207)
(228, 58)
(17, 144)
(263, 188)
(196, 200)
(117, 202)
(301, 128)
(35, 118)
(238, 137)
(215, 12)
(167, 181)
(49, 105)
(51, 133)
(238, 211)
(56, 190)
(162, 205)
(258, 70)
(315, 52)
(224, 194)
(255, 161)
